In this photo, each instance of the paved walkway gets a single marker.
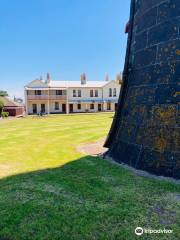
(93, 149)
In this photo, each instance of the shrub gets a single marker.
(4, 114)
(1, 106)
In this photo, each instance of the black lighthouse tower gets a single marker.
(146, 129)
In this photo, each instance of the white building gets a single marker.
(48, 96)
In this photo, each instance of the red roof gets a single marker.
(9, 103)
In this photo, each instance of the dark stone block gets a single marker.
(126, 153)
(140, 41)
(169, 51)
(168, 9)
(168, 94)
(163, 32)
(145, 57)
(138, 114)
(165, 114)
(156, 74)
(141, 95)
(160, 163)
(151, 15)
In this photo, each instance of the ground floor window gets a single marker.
(79, 106)
(108, 106)
(56, 106)
(91, 106)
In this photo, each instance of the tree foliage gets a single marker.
(1, 105)
(3, 93)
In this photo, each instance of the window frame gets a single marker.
(79, 93)
(91, 106)
(114, 92)
(96, 93)
(59, 91)
(74, 93)
(110, 92)
(91, 93)
(55, 106)
(38, 92)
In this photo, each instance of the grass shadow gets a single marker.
(88, 198)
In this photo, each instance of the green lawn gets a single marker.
(49, 191)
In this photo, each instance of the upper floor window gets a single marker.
(74, 93)
(91, 93)
(96, 93)
(79, 93)
(37, 92)
(110, 92)
(56, 106)
(59, 92)
(114, 92)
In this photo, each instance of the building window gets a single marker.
(110, 92)
(79, 93)
(37, 92)
(79, 106)
(59, 92)
(56, 106)
(74, 93)
(91, 93)
(114, 92)
(108, 106)
(91, 106)
(96, 93)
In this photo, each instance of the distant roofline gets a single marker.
(67, 84)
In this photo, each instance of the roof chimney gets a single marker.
(107, 78)
(48, 78)
(83, 78)
(119, 78)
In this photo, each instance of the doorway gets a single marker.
(116, 106)
(99, 107)
(64, 108)
(43, 108)
(34, 107)
(71, 108)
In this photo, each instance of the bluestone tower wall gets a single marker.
(146, 129)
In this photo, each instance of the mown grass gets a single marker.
(50, 191)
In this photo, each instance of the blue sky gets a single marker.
(64, 37)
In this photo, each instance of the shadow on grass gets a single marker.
(88, 198)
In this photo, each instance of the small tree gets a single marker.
(3, 93)
(1, 106)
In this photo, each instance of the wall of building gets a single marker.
(85, 94)
(52, 107)
(85, 100)
(112, 85)
(38, 103)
